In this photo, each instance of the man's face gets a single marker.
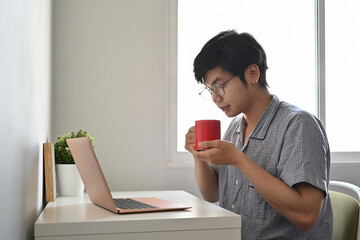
(237, 97)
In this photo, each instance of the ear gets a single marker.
(253, 73)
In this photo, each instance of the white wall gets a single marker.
(109, 72)
(24, 112)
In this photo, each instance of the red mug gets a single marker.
(206, 130)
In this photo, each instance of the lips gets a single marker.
(226, 108)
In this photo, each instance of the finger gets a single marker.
(193, 150)
(192, 129)
(189, 145)
(209, 144)
(192, 147)
(190, 135)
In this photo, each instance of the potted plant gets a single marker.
(69, 180)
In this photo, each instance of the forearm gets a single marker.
(300, 209)
(207, 180)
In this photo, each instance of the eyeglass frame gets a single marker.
(211, 90)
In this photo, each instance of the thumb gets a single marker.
(209, 144)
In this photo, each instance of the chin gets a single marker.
(230, 115)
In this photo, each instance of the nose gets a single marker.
(216, 98)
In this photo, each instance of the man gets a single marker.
(272, 166)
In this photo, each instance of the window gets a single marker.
(292, 34)
(342, 81)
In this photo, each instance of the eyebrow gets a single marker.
(213, 82)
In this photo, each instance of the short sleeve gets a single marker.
(305, 153)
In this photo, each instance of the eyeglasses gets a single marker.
(207, 92)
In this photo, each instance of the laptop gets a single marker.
(98, 189)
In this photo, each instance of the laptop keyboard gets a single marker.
(127, 203)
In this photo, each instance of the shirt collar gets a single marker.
(264, 123)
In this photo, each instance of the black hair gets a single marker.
(234, 53)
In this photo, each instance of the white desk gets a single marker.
(77, 218)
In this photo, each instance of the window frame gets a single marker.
(174, 158)
(177, 159)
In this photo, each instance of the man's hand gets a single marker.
(190, 139)
(220, 153)
(205, 175)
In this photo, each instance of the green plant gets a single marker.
(62, 151)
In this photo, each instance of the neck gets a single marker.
(260, 102)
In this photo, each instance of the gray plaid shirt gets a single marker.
(291, 145)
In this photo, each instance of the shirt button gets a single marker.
(233, 206)
(237, 182)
